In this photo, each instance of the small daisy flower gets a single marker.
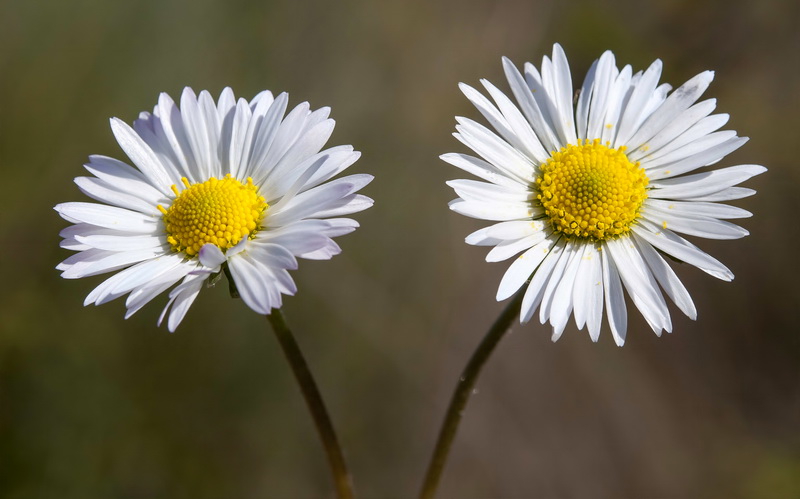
(594, 194)
(230, 186)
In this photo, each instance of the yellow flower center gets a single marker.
(591, 191)
(220, 212)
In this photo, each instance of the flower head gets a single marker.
(594, 194)
(233, 185)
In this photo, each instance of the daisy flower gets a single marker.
(234, 186)
(595, 193)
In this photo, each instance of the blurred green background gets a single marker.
(93, 406)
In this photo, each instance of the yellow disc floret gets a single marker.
(217, 211)
(591, 191)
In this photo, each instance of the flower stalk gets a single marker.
(341, 475)
(463, 391)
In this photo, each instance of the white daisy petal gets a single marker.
(299, 243)
(288, 192)
(172, 131)
(694, 225)
(516, 229)
(194, 125)
(529, 107)
(286, 284)
(480, 168)
(340, 226)
(348, 205)
(552, 283)
(641, 284)
(226, 103)
(238, 149)
(285, 172)
(181, 298)
(545, 91)
(109, 217)
(149, 127)
(656, 100)
(82, 259)
(336, 160)
(262, 130)
(211, 256)
(676, 103)
(562, 85)
(505, 158)
(119, 242)
(326, 252)
(584, 100)
(169, 267)
(581, 290)
(591, 194)
(310, 226)
(108, 261)
(264, 96)
(316, 117)
(682, 125)
(491, 211)
(145, 293)
(72, 244)
(702, 209)
(274, 254)
(226, 109)
(101, 191)
(522, 268)
(666, 278)
(471, 190)
(82, 229)
(728, 194)
(694, 139)
(124, 178)
(491, 113)
(614, 299)
(141, 154)
(481, 238)
(231, 183)
(103, 293)
(212, 131)
(703, 184)
(290, 129)
(356, 183)
(238, 248)
(709, 152)
(618, 94)
(563, 303)
(536, 288)
(601, 84)
(524, 138)
(251, 285)
(308, 203)
(137, 275)
(679, 248)
(509, 248)
(634, 113)
(592, 272)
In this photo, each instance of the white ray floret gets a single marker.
(228, 184)
(591, 195)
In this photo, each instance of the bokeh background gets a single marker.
(93, 406)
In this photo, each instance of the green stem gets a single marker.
(462, 393)
(341, 477)
(231, 283)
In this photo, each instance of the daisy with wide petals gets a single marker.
(232, 185)
(594, 193)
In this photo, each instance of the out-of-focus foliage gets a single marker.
(95, 406)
